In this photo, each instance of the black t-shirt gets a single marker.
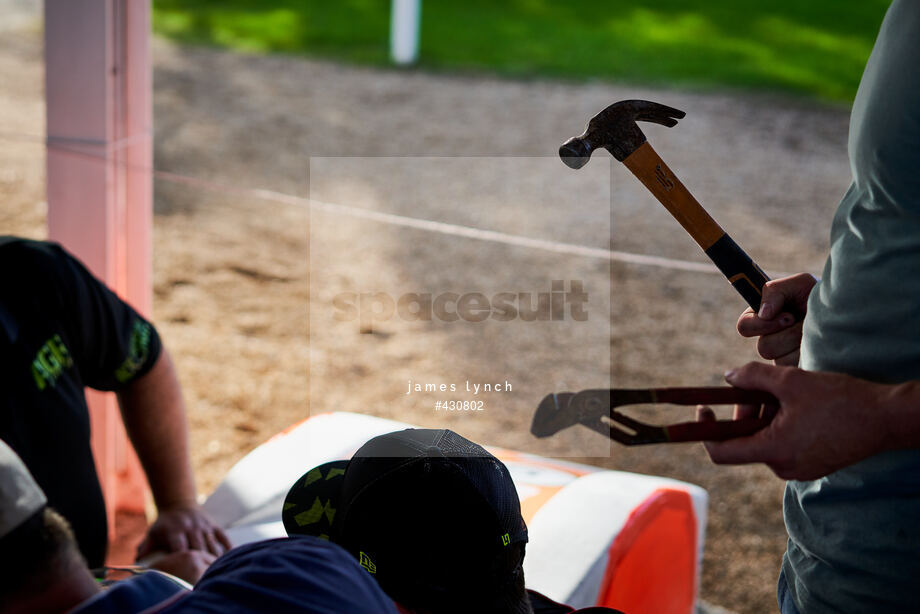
(61, 329)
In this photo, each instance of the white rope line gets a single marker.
(558, 247)
(64, 142)
(492, 236)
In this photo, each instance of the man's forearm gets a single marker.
(154, 414)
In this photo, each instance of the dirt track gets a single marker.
(233, 277)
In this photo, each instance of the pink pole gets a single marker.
(99, 125)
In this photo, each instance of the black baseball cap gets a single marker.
(434, 517)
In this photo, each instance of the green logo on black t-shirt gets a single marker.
(140, 348)
(50, 362)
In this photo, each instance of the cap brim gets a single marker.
(311, 504)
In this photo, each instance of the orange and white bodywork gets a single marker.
(623, 540)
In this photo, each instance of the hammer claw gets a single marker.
(615, 129)
(648, 111)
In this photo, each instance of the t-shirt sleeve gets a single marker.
(112, 344)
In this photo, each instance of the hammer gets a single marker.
(615, 130)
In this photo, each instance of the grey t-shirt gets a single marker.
(854, 536)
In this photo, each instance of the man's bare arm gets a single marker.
(154, 416)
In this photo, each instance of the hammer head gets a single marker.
(615, 130)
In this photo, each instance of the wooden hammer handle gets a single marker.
(742, 272)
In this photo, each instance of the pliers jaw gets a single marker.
(552, 415)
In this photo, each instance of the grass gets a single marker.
(813, 47)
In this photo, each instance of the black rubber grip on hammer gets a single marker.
(742, 272)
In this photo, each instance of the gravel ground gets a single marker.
(235, 273)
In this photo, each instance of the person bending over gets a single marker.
(61, 329)
(43, 572)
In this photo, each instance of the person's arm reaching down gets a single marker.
(824, 421)
(114, 348)
(154, 414)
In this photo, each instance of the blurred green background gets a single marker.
(812, 47)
